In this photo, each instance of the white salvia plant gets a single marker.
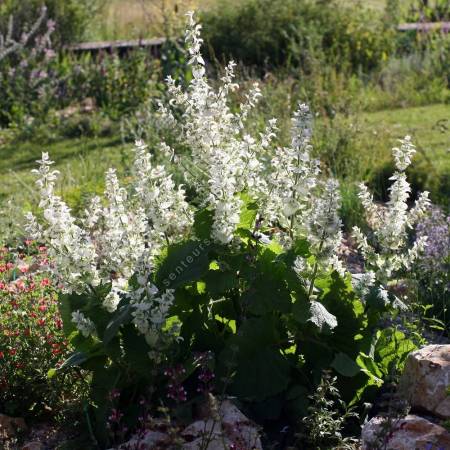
(386, 251)
(118, 237)
(226, 160)
(123, 231)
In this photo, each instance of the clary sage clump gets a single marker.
(247, 267)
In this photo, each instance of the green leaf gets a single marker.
(266, 294)
(344, 365)
(219, 282)
(203, 222)
(185, 262)
(67, 304)
(75, 360)
(320, 317)
(136, 351)
(121, 317)
(370, 368)
(249, 210)
(262, 375)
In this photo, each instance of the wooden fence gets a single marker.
(154, 45)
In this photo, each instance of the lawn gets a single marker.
(81, 161)
(430, 128)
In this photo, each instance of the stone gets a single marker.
(409, 433)
(150, 440)
(232, 428)
(214, 443)
(426, 380)
(33, 445)
(11, 426)
(202, 428)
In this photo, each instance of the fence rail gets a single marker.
(154, 45)
(424, 26)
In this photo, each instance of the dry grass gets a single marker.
(133, 19)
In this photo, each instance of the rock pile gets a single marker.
(426, 386)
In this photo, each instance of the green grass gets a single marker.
(429, 127)
(81, 161)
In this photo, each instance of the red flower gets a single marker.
(12, 351)
(2, 355)
(41, 322)
(45, 282)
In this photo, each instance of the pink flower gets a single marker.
(45, 282)
(24, 268)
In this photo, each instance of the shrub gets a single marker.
(71, 16)
(432, 270)
(295, 33)
(246, 268)
(31, 337)
(27, 77)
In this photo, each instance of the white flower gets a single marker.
(390, 252)
(403, 155)
(111, 301)
(69, 246)
(324, 225)
(164, 204)
(84, 325)
(362, 282)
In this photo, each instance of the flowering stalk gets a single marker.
(389, 252)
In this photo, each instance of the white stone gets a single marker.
(426, 380)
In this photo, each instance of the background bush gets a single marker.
(71, 16)
(277, 33)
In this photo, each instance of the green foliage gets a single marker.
(31, 339)
(44, 82)
(71, 16)
(294, 33)
(244, 305)
(327, 415)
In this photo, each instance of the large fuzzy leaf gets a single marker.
(320, 317)
(184, 263)
(262, 375)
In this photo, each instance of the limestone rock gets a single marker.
(149, 441)
(33, 445)
(412, 432)
(426, 380)
(11, 426)
(232, 428)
